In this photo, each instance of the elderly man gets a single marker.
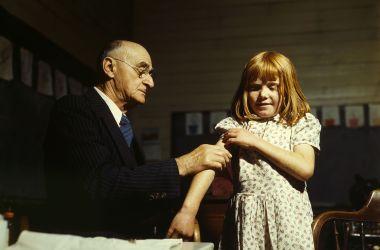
(96, 181)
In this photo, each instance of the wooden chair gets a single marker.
(369, 213)
(197, 232)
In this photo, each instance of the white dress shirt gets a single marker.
(116, 112)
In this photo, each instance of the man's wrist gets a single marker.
(181, 164)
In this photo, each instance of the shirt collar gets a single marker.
(116, 112)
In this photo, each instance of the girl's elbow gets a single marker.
(308, 173)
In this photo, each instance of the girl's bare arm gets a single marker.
(183, 223)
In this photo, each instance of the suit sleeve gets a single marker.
(78, 144)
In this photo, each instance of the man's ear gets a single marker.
(109, 67)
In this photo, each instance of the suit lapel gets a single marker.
(101, 109)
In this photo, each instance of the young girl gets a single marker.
(273, 138)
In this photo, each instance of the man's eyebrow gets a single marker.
(143, 65)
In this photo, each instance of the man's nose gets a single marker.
(149, 81)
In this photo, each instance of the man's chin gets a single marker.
(140, 100)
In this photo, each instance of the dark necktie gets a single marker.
(126, 129)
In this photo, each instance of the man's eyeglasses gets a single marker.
(142, 73)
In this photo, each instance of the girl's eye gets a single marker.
(254, 87)
(272, 87)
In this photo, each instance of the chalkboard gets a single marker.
(344, 153)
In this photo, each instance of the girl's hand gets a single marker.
(182, 226)
(240, 137)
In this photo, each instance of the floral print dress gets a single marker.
(270, 209)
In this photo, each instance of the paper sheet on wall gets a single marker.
(6, 59)
(194, 123)
(60, 84)
(44, 80)
(75, 87)
(354, 116)
(330, 116)
(216, 117)
(374, 115)
(26, 59)
(151, 144)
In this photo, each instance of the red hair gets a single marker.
(268, 66)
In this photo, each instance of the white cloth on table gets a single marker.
(43, 241)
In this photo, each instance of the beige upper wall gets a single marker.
(79, 27)
(199, 49)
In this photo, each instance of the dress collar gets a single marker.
(275, 118)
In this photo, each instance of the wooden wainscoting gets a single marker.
(211, 217)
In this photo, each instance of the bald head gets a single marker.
(124, 50)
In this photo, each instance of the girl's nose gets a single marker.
(264, 92)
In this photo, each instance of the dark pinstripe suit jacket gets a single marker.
(95, 182)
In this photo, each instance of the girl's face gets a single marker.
(263, 97)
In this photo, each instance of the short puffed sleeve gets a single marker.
(226, 124)
(307, 131)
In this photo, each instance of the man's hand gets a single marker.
(203, 157)
(182, 226)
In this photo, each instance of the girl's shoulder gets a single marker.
(226, 124)
(307, 131)
(309, 120)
